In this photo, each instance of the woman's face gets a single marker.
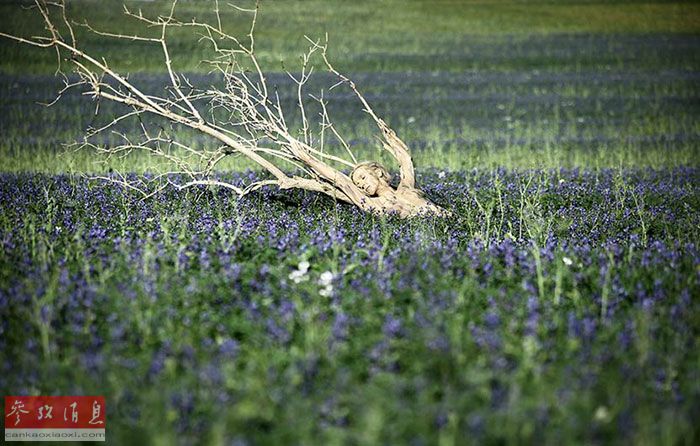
(367, 180)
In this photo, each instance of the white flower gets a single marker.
(326, 282)
(326, 278)
(601, 414)
(442, 174)
(411, 119)
(299, 275)
(567, 261)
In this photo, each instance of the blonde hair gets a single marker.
(375, 167)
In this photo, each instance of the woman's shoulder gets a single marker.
(408, 190)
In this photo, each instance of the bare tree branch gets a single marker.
(243, 117)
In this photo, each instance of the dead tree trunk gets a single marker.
(256, 126)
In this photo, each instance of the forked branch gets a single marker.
(243, 117)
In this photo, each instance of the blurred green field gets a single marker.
(466, 84)
(399, 35)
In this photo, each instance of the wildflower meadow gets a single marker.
(558, 303)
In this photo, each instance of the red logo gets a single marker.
(73, 418)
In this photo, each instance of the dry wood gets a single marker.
(256, 126)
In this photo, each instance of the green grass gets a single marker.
(450, 158)
(364, 35)
(518, 84)
(555, 119)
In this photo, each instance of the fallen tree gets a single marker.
(255, 124)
